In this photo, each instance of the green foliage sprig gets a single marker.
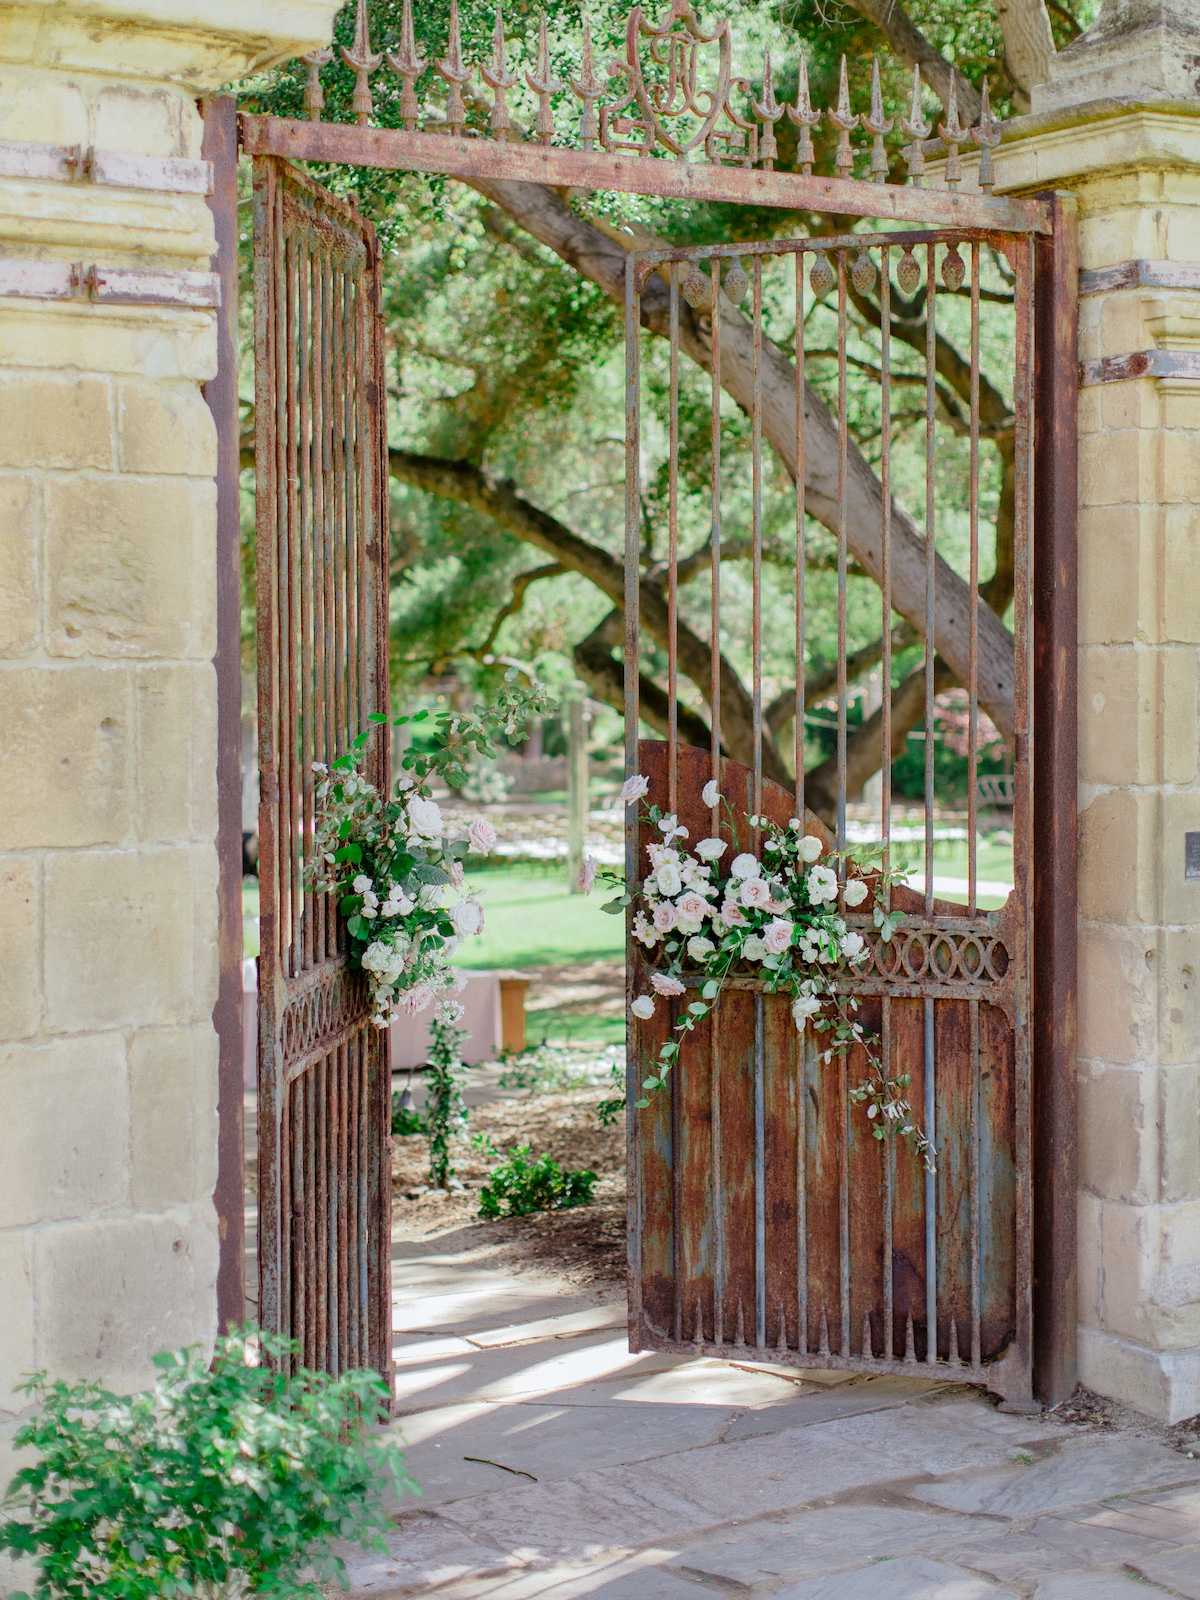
(221, 1480)
(445, 1108)
(522, 1184)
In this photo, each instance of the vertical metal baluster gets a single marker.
(343, 1210)
(364, 1225)
(931, 1273)
(843, 1064)
(889, 1195)
(352, 1213)
(804, 1052)
(1023, 796)
(798, 727)
(756, 546)
(677, 1263)
(298, 608)
(885, 484)
(930, 554)
(973, 634)
(673, 555)
(633, 378)
(321, 1210)
(335, 405)
(885, 775)
(287, 818)
(324, 911)
(295, 1092)
(283, 1149)
(715, 624)
(976, 1264)
(305, 731)
(718, 1191)
(843, 451)
(323, 510)
(366, 490)
(354, 507)
(760, 1178)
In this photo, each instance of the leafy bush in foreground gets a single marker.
(521, 1185)
(219, 1481)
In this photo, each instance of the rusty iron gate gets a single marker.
(323, 1071)
(764, 1216)
(761, 1218)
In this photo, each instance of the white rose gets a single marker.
(668, 879)
(482, 835)
(399, 904)
(467, 917)
(852, 947)
(810, 848)
(803, 1007)
(700, 949)
(643, 1006)
(429, 896)
(425, 818)
(855, 892)
(362, 884)
(754, 948)
(746, 866)
(634, 788)
(822, 885)
(663, 983)
(688, 926)
(710, 794)
(711, 849)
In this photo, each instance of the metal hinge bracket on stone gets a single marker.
(70, 280)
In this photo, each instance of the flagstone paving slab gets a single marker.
(812, 1544)
(1094, 1586)
(1080, 1470)
(1178, 1570)
(1053, 1545)
(878, 1394)
(909, 1578)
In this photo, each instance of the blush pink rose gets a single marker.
(692, 907)
(778, 936)
(414, 1000)
(664, 916)
(755, 892)
(663, 984)
(732, 915)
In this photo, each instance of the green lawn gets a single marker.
(530, 921)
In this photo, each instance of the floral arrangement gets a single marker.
(399, 875)
(775, 915)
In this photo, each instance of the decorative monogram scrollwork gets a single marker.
(674, 93)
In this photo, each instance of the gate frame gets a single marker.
(1050, 219)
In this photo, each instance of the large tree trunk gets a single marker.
(1028, 45)
(548, 217)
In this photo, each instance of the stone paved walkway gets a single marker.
(621, 1477)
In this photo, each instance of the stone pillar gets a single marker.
(108, 868)
(1110, 128)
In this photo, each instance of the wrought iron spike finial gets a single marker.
(918, 130)
(451, 69)
(409, 66)
(498, 78)
(314, 95)
(544, 84)
(805, 118)
(768, 111)
(987, 137)
(845, 121)
(364, 63)
(877, 125)
(588, 88)
(952, 134)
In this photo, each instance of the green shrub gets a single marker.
(220, 1481)
(521, 1185)
(406, 1119)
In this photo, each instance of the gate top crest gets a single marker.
(674, 94)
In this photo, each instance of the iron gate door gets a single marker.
(764, 1217)
(323, 1070)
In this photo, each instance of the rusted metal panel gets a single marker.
(324, 1078)
(1055, 637)
(392, 148)
(764, 1216)
(221, 157)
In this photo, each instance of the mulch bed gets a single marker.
(585, 1245)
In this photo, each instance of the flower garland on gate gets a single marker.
(775, 915)
(397, 871)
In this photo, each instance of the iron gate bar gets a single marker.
(392, 149)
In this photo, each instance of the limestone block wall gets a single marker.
(108, 868)
(1136, 176)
